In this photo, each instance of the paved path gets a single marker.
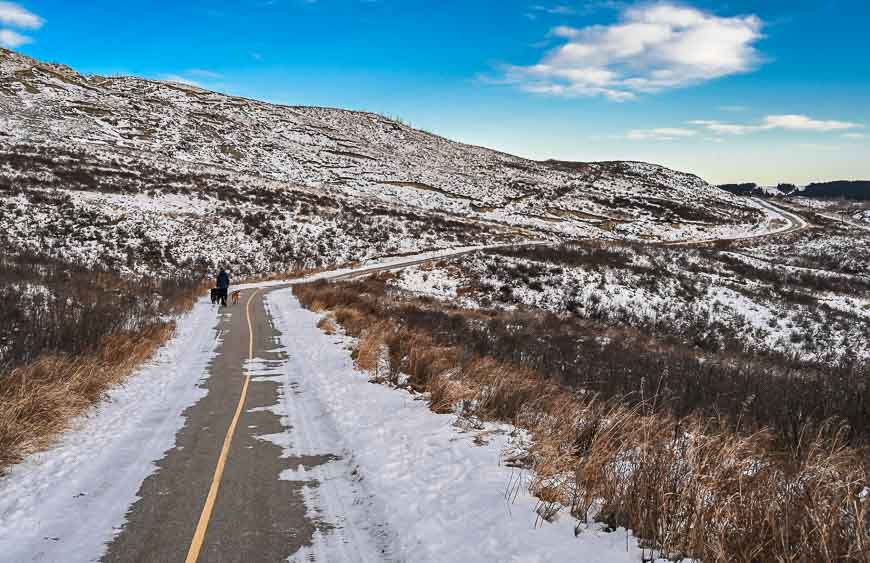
(793, 223)
(796, 222)
(218, 495)
(247, 513)
(223, 494)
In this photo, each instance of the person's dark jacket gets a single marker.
(223, 280)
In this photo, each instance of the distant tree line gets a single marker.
(748, 188)
(858, 189)
(855, 189)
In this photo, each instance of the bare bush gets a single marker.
(655, 452)
(69, 334)
(40, 398)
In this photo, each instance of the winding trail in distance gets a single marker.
(796, 222)
(792, 223)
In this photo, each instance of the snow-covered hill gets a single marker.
(146, 173)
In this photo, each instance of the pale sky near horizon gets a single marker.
(773, 91)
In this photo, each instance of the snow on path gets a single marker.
(433, 494)
(66, 503)
(791, 222)
(379, 264)
(95, 470)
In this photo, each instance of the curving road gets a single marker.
(792, 222)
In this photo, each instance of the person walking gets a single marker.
(223, 285)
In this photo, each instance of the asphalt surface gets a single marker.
(256, 516)
(797, 223)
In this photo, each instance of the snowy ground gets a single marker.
(151, 175)
(92, 475)
(728, 298)
(837, 244)
(183, 232)
(444, 495)
(437, 493)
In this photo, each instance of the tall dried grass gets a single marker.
(371, 348)
(326, 325)
(69, 334)
(38, 400)
(688, 486)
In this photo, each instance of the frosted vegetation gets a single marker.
(141, 175)
(713, 300)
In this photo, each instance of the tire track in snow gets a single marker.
(350, 531)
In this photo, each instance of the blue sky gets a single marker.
(767, 91)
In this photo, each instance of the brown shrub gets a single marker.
(689, 485)
(351, 319)
(326, 325)
(371, 348)
(445, 392)
(418, 356)
(38, 400)
(70, 333)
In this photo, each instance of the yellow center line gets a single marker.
(202, 526)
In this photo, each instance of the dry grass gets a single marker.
(326, 325)
(38, 400)
(351, 319)
(179, 302)
(689, 486)
(370, 348)
(71, 334)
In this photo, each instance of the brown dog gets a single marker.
(236, 296)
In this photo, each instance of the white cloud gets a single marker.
(14, 15)
(204, 73)
(561, 10)
(652, 48)
(660, 134)
(10, 39)
(724, 128)
(564, 31)
(804, 123)
(788, 122)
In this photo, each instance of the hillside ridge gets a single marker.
(133, 138)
